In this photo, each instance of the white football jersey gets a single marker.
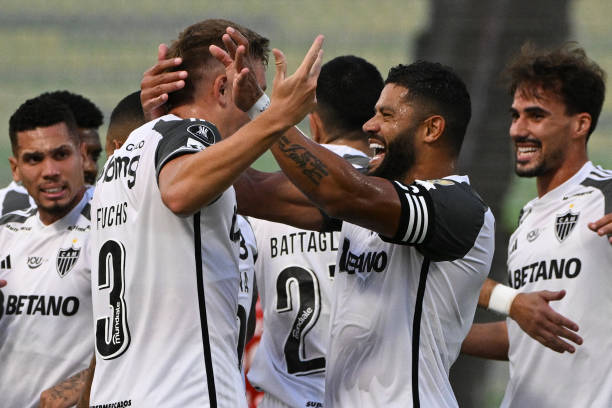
(294, 272)
(402, 306)
(45, 309)
(14, 197)
(164, 287)
(553, 249)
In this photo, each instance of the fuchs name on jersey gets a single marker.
(111, 216)
(545, 270)
(302, 242)
(40, 305)
(122, 167)
(361, 263)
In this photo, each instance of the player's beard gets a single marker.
(399, 157)
(545, 165)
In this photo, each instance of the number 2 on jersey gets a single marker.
(112, 332)
(308, 309)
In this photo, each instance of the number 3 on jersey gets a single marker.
(308, 309)
(112, 332)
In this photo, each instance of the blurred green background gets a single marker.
(100, 50)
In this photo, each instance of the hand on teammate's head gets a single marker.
(156, 84)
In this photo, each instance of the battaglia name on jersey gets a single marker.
(544, 270)
(304, 241)
(113, 215)
(120, 167)
(364, 262)
(38, 305)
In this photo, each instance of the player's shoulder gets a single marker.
(600, 179)
(18, 217)
(356, 157)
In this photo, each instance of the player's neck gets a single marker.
(553, 179)
(356, 140)
(424, 170)
(189, 111)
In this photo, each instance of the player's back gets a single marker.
(165, 287)
(294, 273)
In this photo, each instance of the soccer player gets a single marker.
(88, 119)
(46, 306)
(295, 267)
(125, 118)
(413, 253)
(165, 286)
(557, 246)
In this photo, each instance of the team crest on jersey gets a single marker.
(66, 259)
(564, 224)
(204, 136)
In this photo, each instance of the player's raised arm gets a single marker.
(180, 180)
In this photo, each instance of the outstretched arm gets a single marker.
(534, 315)
(180, 180)
(487, 340)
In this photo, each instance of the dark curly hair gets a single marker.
(347, 90)
(438, 91)
(41, 111)
(86, 113)
(566, 71)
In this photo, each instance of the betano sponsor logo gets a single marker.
(545, 270)
(40, 305)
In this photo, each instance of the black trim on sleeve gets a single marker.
(416, 332)
(15, 200)
(210, 376)
(19, 217)
(417, 214)
(180, 137)
(604, 184)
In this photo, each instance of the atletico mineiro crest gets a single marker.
(564, 224)
(66, 259)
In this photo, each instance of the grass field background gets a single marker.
(100, 50)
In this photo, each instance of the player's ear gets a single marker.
(83, 151)
(221, 90)
(316, 127)
(14, 168)
(583, 124)
(433, 128)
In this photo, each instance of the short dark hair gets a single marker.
(347, 90)
(438, 90)
(192, 46)
(86, 113)
(126, 117)
(40, 112)
(565, 71)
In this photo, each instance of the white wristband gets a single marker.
(261, 105)
(501, 299)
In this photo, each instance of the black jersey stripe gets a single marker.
(210, 376)
(416, 332)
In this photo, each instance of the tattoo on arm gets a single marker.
(311, 166)
(68, 390)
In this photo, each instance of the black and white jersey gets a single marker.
(401, 307)
(294, 273)
(247, 294)
(45, 309)
(553, 249)
(14, 197)
(165, 288)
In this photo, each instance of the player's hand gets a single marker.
(295, 96)
(238, 68)
(535, 316)
(156, 84)
(603, 226)
(2, 283)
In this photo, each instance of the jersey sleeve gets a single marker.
(441, 218)
(181, 137)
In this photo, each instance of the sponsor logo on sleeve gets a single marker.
(203, 136)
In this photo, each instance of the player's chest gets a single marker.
(553, 241)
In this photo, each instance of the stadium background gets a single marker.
(100, 49)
